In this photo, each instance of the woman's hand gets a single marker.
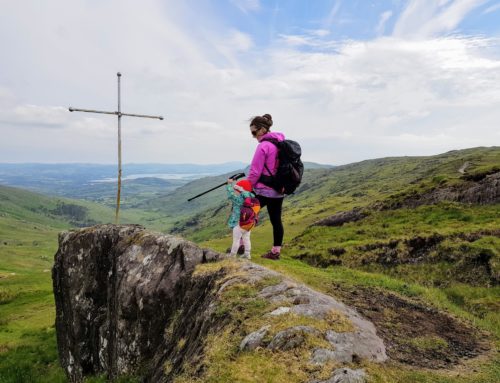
(230, 181)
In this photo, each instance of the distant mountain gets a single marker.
(97, 182)
(314, 165)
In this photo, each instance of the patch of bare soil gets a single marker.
(413, 333)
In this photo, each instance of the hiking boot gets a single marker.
(271, 255)
(241, 249)
(246, 256)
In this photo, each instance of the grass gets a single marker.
(243, 312)
(28, 350)
(477, 305)
(28, 241)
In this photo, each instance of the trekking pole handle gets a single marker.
(237, 176)
(233, 177)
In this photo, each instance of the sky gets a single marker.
(348, 79)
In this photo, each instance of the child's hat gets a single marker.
(243, 185)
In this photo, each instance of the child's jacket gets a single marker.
(237, 201)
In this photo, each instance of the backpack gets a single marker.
(249, 213)
(290, 168)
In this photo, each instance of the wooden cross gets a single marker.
(119, 114)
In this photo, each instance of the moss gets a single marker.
(181, 343)
(169, 331)
(334, 320)
(429, 343)
(224, 363)
(168, 367)
(269, 281)
(228, 265)
(137, 238)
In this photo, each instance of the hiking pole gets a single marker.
(233, 177)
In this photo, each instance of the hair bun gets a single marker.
(269, 118)
(263, 122)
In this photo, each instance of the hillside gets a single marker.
(407, 261)
(179, 215)
(29, 207)
(392, 237)
(325, 192)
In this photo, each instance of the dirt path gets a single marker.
(464, 167)
(413, 333)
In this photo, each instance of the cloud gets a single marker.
(247, 6)
(240, 41)
(343, 100)
(332, 15)
(427, 19)
(492, 8)
(28, 116)
(381, 23)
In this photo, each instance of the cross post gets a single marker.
(119, 114)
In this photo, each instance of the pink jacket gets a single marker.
(265, 153)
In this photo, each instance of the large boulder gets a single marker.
(129, 301)
(116, 289)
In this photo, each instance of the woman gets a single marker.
(265, 163)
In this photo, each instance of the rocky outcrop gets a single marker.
(483, 190)
(342, 217)
(130, 301)
(116, 290)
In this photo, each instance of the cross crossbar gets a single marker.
(114, 113)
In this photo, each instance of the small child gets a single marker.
(237, 193)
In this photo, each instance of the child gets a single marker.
(237, 193)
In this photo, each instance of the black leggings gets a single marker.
(274, 210)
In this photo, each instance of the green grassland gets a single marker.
(455, 275)
(29, 227)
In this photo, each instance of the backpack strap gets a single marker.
(275, 142)
(270, 172)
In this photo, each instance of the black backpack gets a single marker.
(290, 167)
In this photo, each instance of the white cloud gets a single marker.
(343, 100)
(427, 19)
(332, 15)
(492, 8)
(240, 41)
(320, 32)
(247, 5)
(382, 21)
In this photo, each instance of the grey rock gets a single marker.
(117, 289)
(349, 345)
(322, 355)
(346, 375)
(340, 218)
(363, 342)
(291, 338)
(279, 311)
(254, 339)
(125, 297)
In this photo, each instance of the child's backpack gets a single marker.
(290, 168)
(249, 213)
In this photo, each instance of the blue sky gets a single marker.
(349, 80)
